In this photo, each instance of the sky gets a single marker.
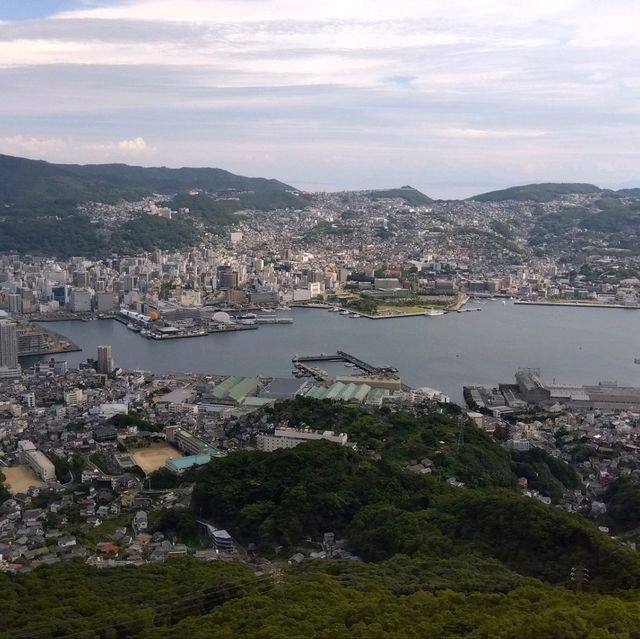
(454, 98)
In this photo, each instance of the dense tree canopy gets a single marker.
(438, 561)
(401, 599)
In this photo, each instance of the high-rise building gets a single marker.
(106, 302)
(15, 303)
(81, 279)
(80, 301)
(105, 361)
(8, 344)
(227, 278)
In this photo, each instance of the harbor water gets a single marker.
(572, 345)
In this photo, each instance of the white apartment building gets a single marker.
(291, 437)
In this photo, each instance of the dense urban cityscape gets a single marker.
(84, 447)
(389, 390)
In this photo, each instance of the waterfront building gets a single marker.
(106, 302)
(80, 301)
(31, 340)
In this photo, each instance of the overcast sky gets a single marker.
(453, 97)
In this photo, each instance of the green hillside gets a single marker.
(166, 180)
(435, 560)
(39, 203)
(407, 193)
(403, 599)
(25, 183)
(536, 192)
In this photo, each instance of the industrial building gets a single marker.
(284, 388)
(370, 390)
(176, 397)
(531, 390)
(236, 389)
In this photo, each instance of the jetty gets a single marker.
(343, 356)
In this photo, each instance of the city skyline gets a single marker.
(454, 101)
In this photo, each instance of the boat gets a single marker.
(246, 316)
(345, 312)
(284, 308)
(356, 316)
(335, 309)
(434, 313)
(267, 310)
(636, 360)
(132, 327)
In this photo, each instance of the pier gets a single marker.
(311, 371)
(343, 356)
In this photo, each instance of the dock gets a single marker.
(573, 304)
(311, 371)
(343, 356)
(274, 320)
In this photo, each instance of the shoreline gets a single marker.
(576, 305)
(452, 309)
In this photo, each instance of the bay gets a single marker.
(570, 345)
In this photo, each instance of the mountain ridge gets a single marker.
(547, 191)
(26, 182)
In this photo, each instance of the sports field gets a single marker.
(20, 478)
(153, 457)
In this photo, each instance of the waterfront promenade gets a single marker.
(571, 303)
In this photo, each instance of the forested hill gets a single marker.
(38, 183)
(407, 193)
(536, 192)
(438, 559)
(52, 209)
(163, 179)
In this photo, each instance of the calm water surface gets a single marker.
(572, 345)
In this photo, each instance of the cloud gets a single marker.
(417, 91)
(66, 148)
(137, 145)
